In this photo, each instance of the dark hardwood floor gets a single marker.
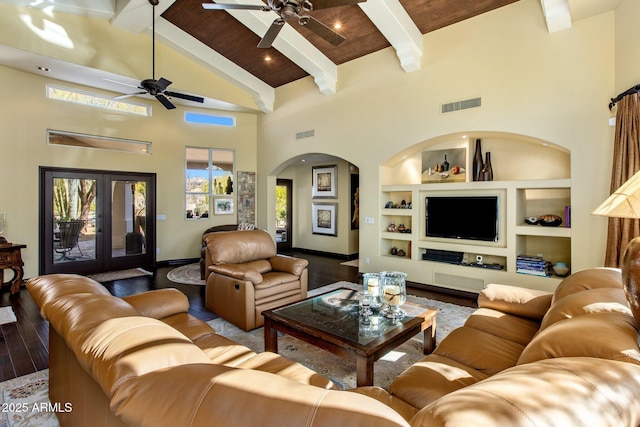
(24, 344)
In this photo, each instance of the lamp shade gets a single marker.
(624, 202)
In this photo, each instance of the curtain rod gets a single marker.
(630, 91)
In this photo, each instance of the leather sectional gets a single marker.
(524, 358)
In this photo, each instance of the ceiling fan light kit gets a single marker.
(287, 9)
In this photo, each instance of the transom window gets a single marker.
(79, 97)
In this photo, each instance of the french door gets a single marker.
(95, 221)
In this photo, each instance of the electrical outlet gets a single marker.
(366, 260)
(368, 220)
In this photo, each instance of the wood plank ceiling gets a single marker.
(230, 38)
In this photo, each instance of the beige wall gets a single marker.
(27, 114)
(551, 87)
(627, 36)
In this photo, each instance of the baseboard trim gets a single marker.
(327, 254)
(176, 262)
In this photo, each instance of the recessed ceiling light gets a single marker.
(267, 58)
(337, 25)
(45, 69)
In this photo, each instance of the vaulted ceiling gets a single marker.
(225, 41)
(362, 28)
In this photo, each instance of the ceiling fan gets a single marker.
(158, 88)
(287, 9)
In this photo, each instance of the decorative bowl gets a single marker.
(550, 220)
(561, 269)
(531, 220)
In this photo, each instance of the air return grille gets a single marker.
(305, 134)
(461, 105)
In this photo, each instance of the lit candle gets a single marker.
(392, 295)
(373, 286)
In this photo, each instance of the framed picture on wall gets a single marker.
(223, 206)
(323, 219)
(324, 182)
(440, 166)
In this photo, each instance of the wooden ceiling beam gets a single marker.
(557, 14)
(396, 25)
(292, 44)
(174, 37)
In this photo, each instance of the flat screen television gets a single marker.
(462, 217)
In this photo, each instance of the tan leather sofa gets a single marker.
(524, 358)
(530, 358)
(246, 276)
(144, 361)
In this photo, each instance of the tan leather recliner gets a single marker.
(247, 276)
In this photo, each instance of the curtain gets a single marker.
(626, 162)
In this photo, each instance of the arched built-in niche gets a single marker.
(531, 178)
(513, 157)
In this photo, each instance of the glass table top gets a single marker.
(337, 312)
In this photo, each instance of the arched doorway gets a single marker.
(325, 221)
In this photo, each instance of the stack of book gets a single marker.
(535, 265)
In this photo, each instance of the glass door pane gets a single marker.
(74, 220)
(128, 218)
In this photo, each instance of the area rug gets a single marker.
(120, 274)
(25, 402)
(186, 274)
(7, 315)
(342, 371)
(352, 263)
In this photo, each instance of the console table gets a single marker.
(11, 259)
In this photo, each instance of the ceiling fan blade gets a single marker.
(128, 95)
(162, 84)
(326, 4)
(271, 34)
(120, 83)
(185, 96)
(164, 101)
(228, 6)
(323, 31)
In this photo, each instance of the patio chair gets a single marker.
(69, 233)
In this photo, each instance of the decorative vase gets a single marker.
(477, 162)
(487, 171)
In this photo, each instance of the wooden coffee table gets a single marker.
(331, 321)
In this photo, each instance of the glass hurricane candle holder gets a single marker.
(365, 301)
(371, 283)
(394, 291)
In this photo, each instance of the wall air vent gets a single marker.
(305, 134)
(461, 105)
